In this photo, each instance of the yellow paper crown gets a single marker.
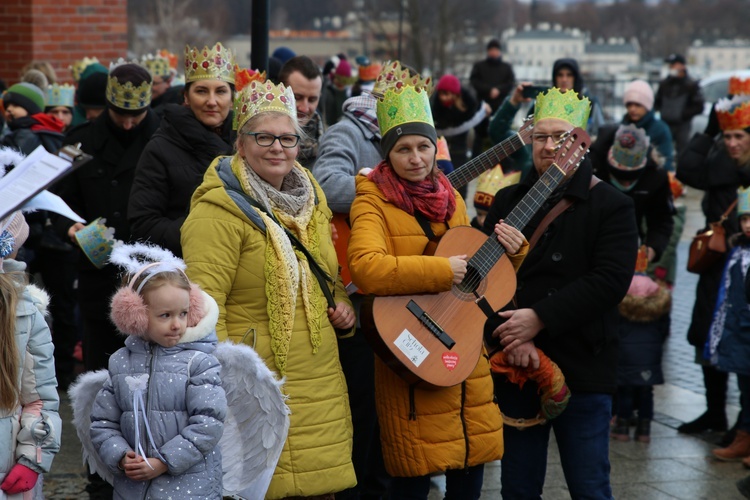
(126, 95)
(401, 98)
(214, 63)
(263, 97)
(78, 67)
(490, 182)
(566, 106)
(156, 65)
(60, 95)
(739, 86)
(734, 113)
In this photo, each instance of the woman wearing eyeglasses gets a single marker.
(237, 245)
(191, 135)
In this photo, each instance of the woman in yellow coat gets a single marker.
(235, 246)
(423, 431)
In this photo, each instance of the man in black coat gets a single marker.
(492, 79)
(678, 100)
(567, 291)
(101, 188)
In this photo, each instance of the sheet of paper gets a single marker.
(51, 203)
(37, 171)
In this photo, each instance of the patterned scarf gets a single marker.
(434, 199)
(286, 268)
(364, 109)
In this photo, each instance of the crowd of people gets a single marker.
(271, 209)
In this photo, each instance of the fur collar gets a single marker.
(39, 297)
(206, 325)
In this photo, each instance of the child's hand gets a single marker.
(137, 468)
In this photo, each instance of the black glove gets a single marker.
(712, 127)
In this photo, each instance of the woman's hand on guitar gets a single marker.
(509, 237)
(342, 317)
(458, 266)
(525, 356)
(520, 326)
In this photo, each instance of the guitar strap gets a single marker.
(429, 249)
(559, 208)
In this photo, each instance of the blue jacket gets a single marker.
(186, 407)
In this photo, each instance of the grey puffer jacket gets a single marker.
(31, 432)
(186, 407)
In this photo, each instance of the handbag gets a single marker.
(709, 247)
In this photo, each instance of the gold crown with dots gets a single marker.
(156, 65)
(401, 98)
(263, 97)
(126, 95)
(214, 63)
(568, 106)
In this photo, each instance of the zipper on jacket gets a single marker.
(463, 424)
(412, 404)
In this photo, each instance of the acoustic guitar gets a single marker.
(437, 338)
(458, 179)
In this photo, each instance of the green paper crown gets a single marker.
(401, 98)
(563, 105)
(743, 205)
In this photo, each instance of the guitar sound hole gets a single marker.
(471, 283)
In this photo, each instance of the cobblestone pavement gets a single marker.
(672, 466)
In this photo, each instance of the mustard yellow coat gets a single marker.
(385, 258)
(225, 254)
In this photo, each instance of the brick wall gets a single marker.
(60, 31)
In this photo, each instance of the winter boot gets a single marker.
(643, 430)
(743, 485)
(715, 418)
(739, 449)
(620, 430)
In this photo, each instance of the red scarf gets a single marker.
(435, 199)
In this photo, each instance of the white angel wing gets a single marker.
(257, 421)
(82, 395)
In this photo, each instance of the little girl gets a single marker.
(29, 421)
(157, 421)
(728, 345)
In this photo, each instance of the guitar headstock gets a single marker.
(571, 150)
(526, 129)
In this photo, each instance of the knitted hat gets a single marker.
(639, 92)
(36, 77)
(493, 44)
(26, 95)
(629, 151)
(92, 90)
(449, 83)
(283, 54)
(343, 69)
(13, 234)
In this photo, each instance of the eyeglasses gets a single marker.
(556, 138)
(265, 140)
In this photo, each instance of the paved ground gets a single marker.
(672, 466)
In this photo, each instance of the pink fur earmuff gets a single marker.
(129, 312)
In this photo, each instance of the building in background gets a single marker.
(722, 55)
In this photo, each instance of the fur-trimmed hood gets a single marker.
(33, 295)
(206, 325)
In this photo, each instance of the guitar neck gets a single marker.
(474, 167)
(491, 251)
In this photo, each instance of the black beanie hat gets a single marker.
(92, 91)
(410, 128)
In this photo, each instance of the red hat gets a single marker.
(449, 83)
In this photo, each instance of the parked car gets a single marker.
(713, 88)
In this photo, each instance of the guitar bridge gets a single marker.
(430, 324)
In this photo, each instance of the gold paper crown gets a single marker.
(60, 95)
(739, 86)
(490, 182)
(78, 67)
(156, 65)
(214, 63)
(401, 98)
(126, 95)
(563, 105)
(734, 113)
(263, 97)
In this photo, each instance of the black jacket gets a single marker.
(491, 73)
(171, 167)
(678, 99)
(706, 165)
(445, 117)
(576, 275)
(101, 187)
(651, 195)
